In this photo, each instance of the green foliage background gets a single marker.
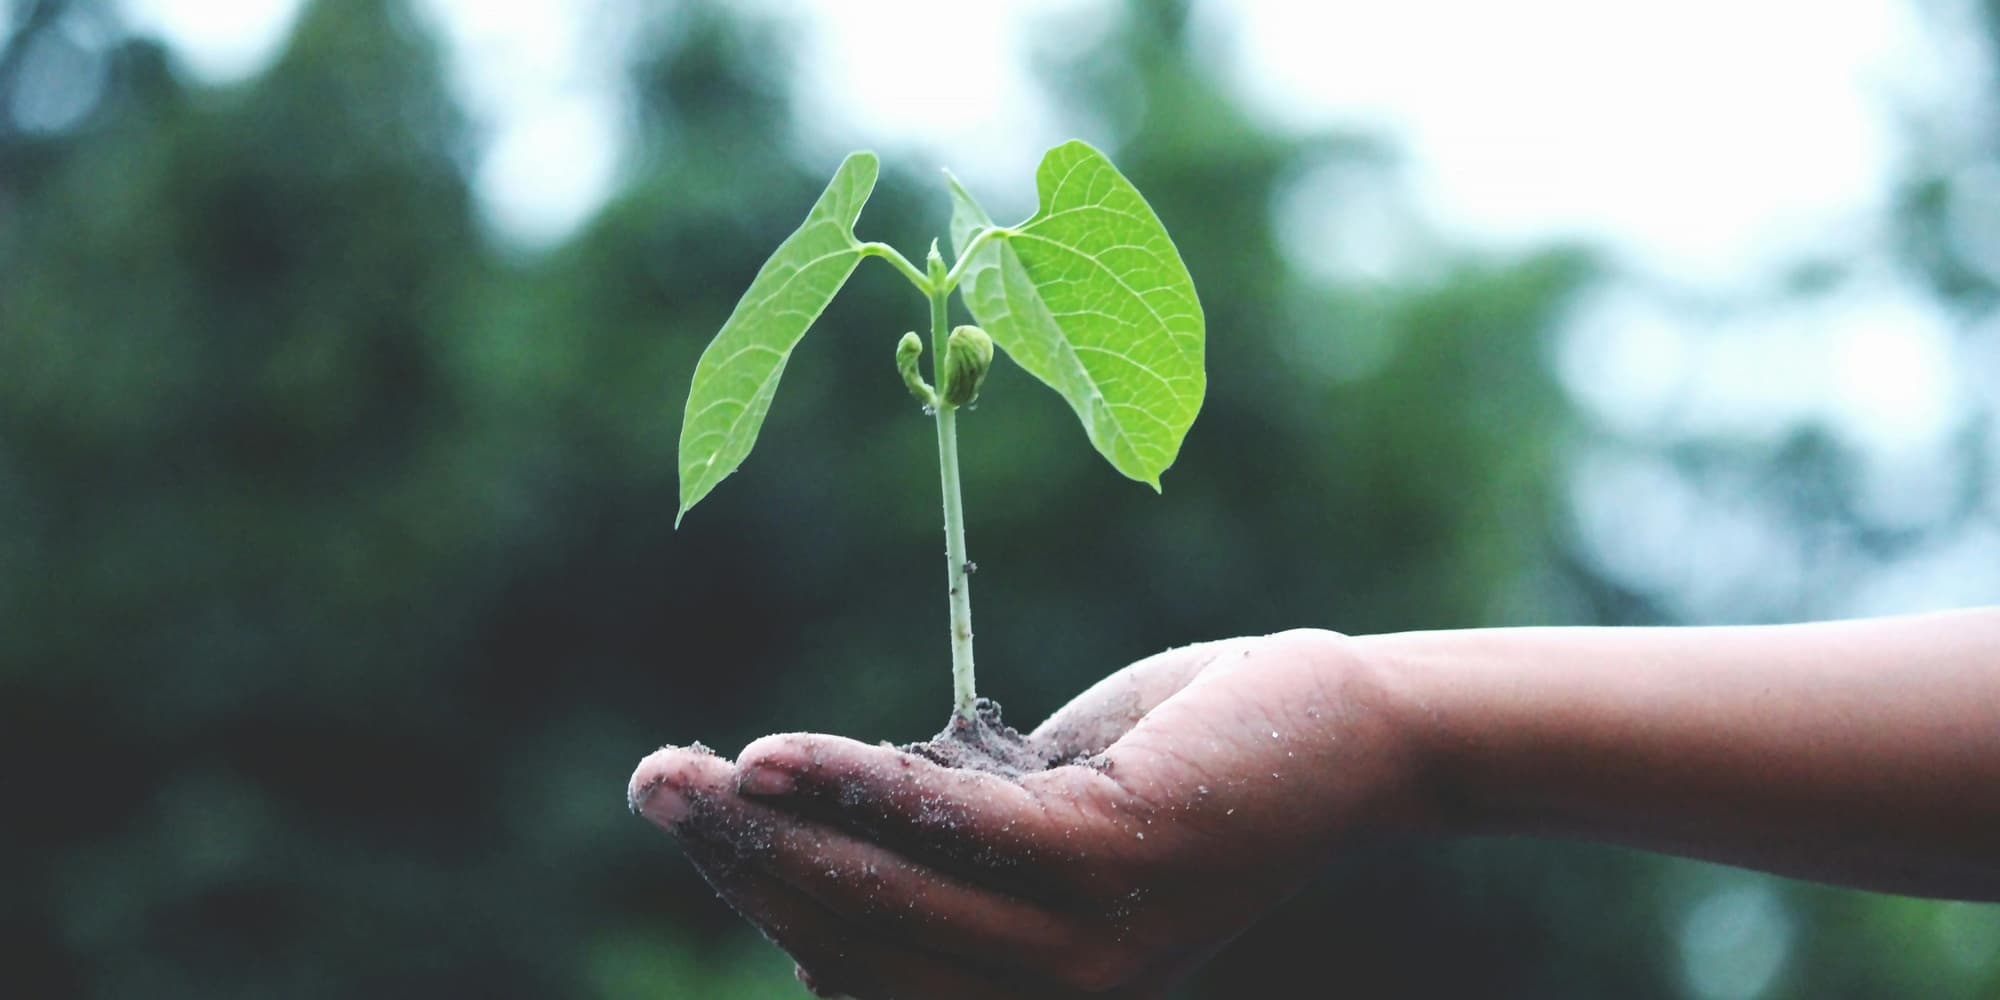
(338, 590)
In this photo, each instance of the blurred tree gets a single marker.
(234, 545)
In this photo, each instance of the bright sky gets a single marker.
(1709, 143)
(1705, 137)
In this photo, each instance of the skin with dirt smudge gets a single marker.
(1209, 783)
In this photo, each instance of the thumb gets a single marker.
(1107, 710)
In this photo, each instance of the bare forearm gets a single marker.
(1865, 753)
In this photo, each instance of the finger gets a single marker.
(670, 781)
(871, 885)
(980, 826)
(812, 985)
(692, 793)
(686, 792)
(838, 956)
(1107, 710)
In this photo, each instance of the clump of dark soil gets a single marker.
(985, 743)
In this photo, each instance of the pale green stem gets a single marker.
(901, 263)
(954, 515)
(978, 240)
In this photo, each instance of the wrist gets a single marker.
(1412, 674)
(1358, 699)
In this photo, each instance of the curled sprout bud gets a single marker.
(968, 353)
(908, 350)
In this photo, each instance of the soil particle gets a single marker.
(985, 743)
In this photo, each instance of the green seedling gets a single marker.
(1088, 295)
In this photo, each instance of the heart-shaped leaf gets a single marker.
(738, 373)
(1090, 296)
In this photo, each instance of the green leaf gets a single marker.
(738, 373)
(1090, 296)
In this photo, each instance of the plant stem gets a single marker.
(900, 262)
(965, 258)
(954, 512)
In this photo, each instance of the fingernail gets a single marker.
(662, 804)
(763, 781)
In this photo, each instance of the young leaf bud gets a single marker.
(968, 353)
(908, 350)
(934, 263)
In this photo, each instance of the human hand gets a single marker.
(1214, 780)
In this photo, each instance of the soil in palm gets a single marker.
(985, 743)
